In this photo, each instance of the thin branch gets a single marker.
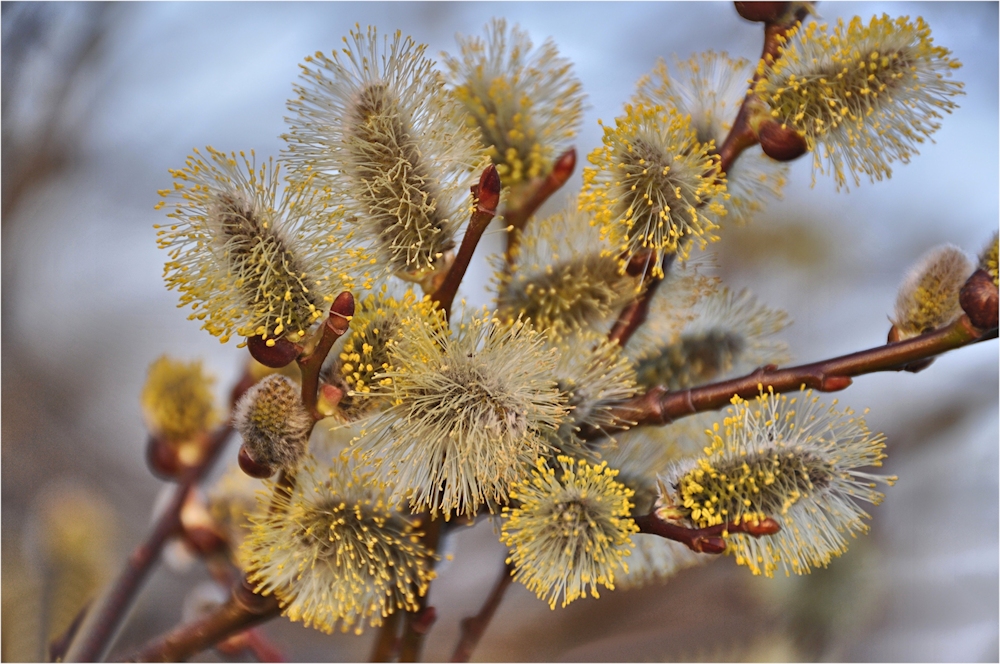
(100, 626)
(243, 610)
(635, 313)
(334, 327)
(475, 626)
(704, 540)
(251, 642)
(58, 645)
(740, 137)
(387, 641)
(487, 198)
(417, 623)
(518, 218)
(659, 406)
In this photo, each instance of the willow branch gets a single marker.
(387, 641)
(740, 137)
(635, 313)
(99, 627)
(659, 406)
(475, 626)
(487, 198)
(418, 623)
(243, 610)
(58, 645)
(518, 217)
(253, 643)
(334, 327)
(704, 540)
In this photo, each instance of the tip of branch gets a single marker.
(489, 190)
(564, 166)
(340, 313)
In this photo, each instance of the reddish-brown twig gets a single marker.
(487, 198)
(740, 137)
(251, 641)
(334, 327)
(704, 540)
(387, 641)
(473, 627)
(659, 406)
(97, 630)
(243, 610)
(518, 217)
(635, 313)
(417, 624)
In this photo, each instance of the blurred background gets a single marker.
(99, 100)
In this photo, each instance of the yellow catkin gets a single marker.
(710, 87)
(862, 96)
(336, 552)
(470, 412)
(177, 400)
(525, 103)
(570, 529)
(789, 458)
(729, 332)
(273, 422)
(379, 323)
(373, 123)
(653, 185)
(928, 297)
(564, 278)
(250, 260)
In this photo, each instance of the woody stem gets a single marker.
(475, 626)
(659, 406)
(487, 198)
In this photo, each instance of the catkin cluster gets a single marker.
(521, 409)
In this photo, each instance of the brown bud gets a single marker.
(709, 545)
(835, 383)
(563, 168)
(765, 12)
(340, 312)
(640, 261)
(279, 354)
(329, 397)
(781, 142)
(203, 540)
(162, 459)
(251, 467)
(425, 620)
(978, 298)
(763, 527)
(489, 190)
